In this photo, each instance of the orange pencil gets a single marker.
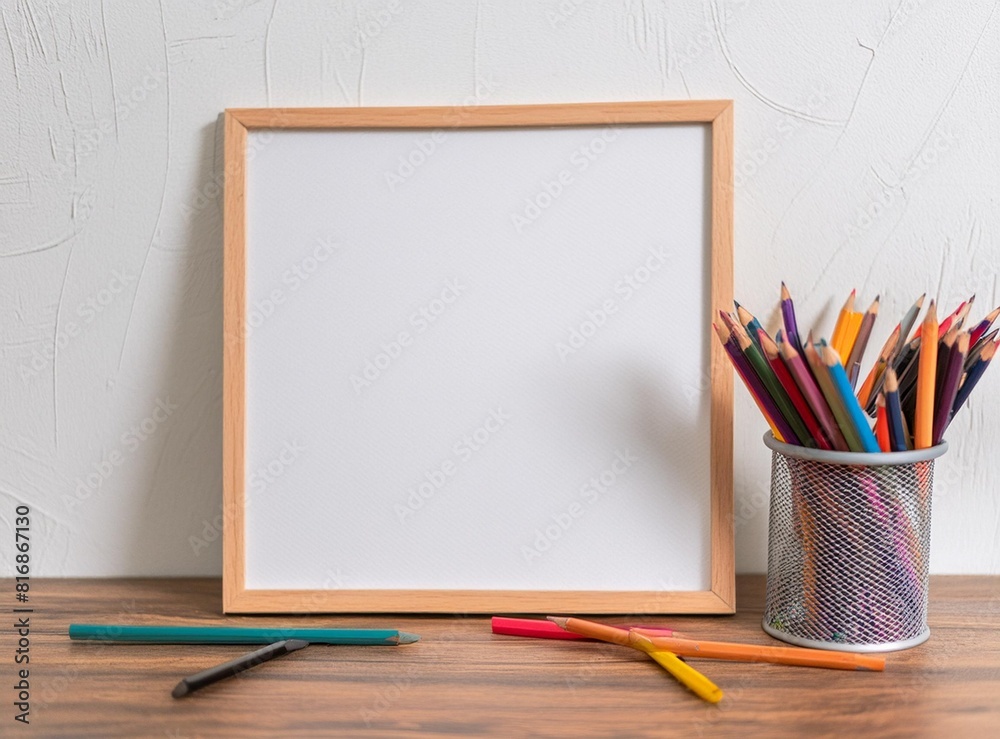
(923, 419)
(775, 655)
(725, 650)
(878, 369)
(840, 329)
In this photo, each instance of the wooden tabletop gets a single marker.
(460, 679)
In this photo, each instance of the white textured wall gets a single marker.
(867, 142)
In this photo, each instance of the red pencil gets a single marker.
(788, 382)
(882, 424)
(543, 629)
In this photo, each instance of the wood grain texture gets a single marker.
(484, 116)
(234, 358)
(462, 680)
(718, 599)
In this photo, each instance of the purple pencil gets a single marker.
(788, 319)
(754, 385)
(804, 379)
(949, 386)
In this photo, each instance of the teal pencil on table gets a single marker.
(855, 415)
(236, 635)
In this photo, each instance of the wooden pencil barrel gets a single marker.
(849, 547)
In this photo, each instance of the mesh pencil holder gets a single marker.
(849, 547)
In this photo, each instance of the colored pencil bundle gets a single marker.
(806, 389)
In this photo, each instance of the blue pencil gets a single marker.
(843, 386)
(894, 412)
(236, 635)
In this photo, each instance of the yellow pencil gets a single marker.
(923, 419)
(842, 327)
(684, 673)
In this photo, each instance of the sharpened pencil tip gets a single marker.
(559, 621)
(180, 690)
(406, 637)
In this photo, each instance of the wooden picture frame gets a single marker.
(718, 597)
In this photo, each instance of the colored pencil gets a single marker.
(788, 319)
(856, 415)
(983, 326)
(777, 364)
(980, 345)
(751, 381)
(749, 322)
(945, 401)
(945, 344)
(775, 655)
(894, 413)
(972, 377)
(853, 364)
(841, 328)
(545, 629)
(807, 384)
(799, 432)
(833, 399)
(909, 318)
(684, 673)
(235, 635)
(923, 421)
(236, 666)
(882, 425)
(875, 376)
(945, 325)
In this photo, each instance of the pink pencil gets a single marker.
(540, 629)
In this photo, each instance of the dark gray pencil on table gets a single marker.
(236, 666)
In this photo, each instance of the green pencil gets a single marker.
(234, 635)
(774, 388)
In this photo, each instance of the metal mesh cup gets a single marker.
(849, 547)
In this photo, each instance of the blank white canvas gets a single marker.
(555, 281)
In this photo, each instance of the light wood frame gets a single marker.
(720, 598)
